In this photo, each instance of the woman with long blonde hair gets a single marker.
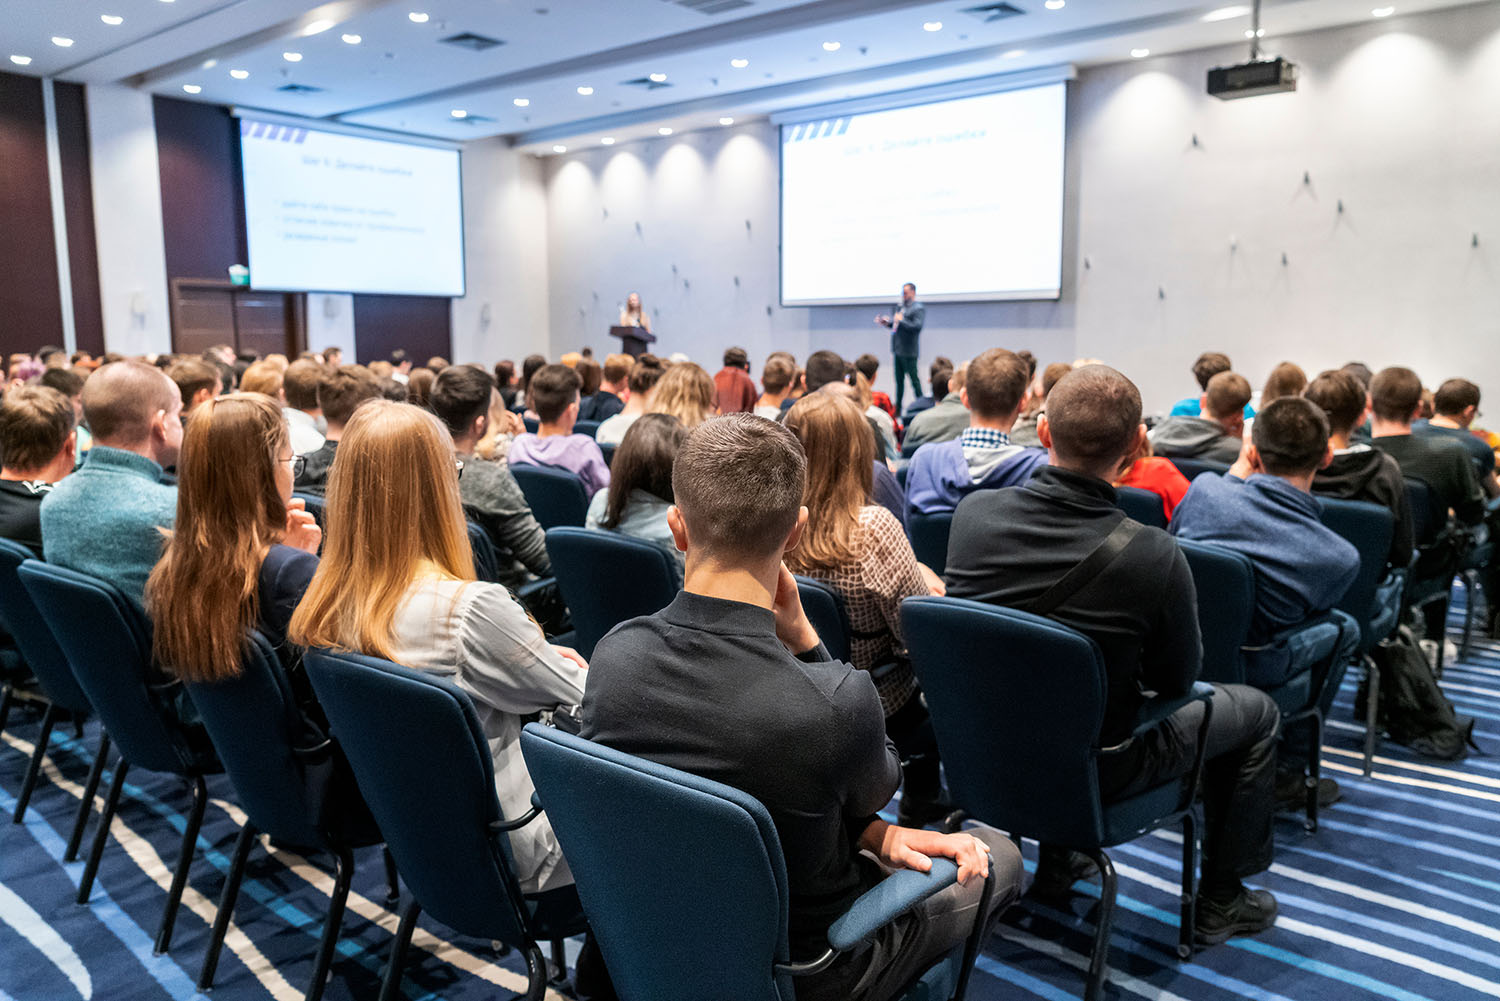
(397, 581)
(687, 393)
(241, 552)
(633, 314)
(860, 550)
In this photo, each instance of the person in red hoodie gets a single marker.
(1158, 475)
(735, 389)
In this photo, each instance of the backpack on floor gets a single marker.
(1412, 709)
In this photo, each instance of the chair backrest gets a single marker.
(486, 560)
(1192, 467)
(1225, 583)
(423, 765)
(606, 578)
(929, 538)
(532, 424)
(825, 610)
(105, 640)
(253, 721)
(34, 639)
(1017, 702)
(1428, 517)
(1368, 527)
(1141, 505)
(609, 452)
(697, 908)
(586, 427)
(556, 497)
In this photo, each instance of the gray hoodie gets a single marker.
(1194, 438)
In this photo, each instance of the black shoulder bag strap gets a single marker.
(1093, 564)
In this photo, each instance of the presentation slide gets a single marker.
(327, 212)
(963, 197)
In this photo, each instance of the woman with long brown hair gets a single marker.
(241, 552)
(640, 485)
(860, 550)
(397, 581)
(687, 393)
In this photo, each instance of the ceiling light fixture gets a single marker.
(1255, 33)
(1013, 54)
(657, 78)
(831, 46)
(607, 141)
(292, 57)
(1056, 4)
(1225, 14)
(417, 17)
(317, 27)
(585, 91)
(1382, 12)
(208, 64)
(739, 64)
(559, 149)
(932, 25)
(61, 42)
(192, 88)
(240, 74)
(726, 120)
(663, 131)
(521, 102)
(352, 39)
(21, 60)
(1139, 53)
(459, 113)
(111, 19)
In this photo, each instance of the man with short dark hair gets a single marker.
(197, 381)
(400, 366)
(868, 366)
(609, 398)
(1012, 547)
(823, 367)
(1207, 365)
(731, 682)
(938, 374)
(38, 442)
(1217, 435)
(906, 328)
(982, 457)
(1455, 405)
(299, 383)
(943, 422)
(733, 387)
(776, 379)
(1439, 461)
(554, 396)
(340, 392)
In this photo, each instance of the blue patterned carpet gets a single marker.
(1397, 896)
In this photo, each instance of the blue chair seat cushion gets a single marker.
(1294, 695)
(1142, 813)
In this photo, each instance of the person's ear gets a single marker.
(1470, 412)
(678, 528)
(70, 447)
(963, 397)
(1203, 404)
(1044, 431)
(1327, 459)
(1252, 456)
(480, 426)
(795, 535)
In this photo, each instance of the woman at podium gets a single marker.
(633, 315)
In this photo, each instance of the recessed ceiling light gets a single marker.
(607, 141)
(352, 39)
(1056, 4)
(240, 74)
(317, 27)
(1139, 53)
(61, 42)
(292, 57)
(585, 91)
(726, 120)
(932, 25)
(739, 64)
(208, 64)
(192, 88)
(459, 113)
(559, 149)
(417, 17)
(111, 19)
(1256, 33)
(657, 78)
(663, 131)
(1226, 13)
(1377, 12)
(1013, 54)
(21, 60)
(830, 46)
(521, 102)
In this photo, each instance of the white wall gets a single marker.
(1398, 118)
(505, 237)
(126, 183)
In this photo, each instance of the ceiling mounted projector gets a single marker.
(1263, 76)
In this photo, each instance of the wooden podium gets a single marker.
(633, 340)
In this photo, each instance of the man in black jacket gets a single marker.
(1009, 547)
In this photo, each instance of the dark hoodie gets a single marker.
(1194, 438)
(1363, 473)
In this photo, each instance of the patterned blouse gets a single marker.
(872, 589)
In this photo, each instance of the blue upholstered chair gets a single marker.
(289, 784)
(609, 452)
(586, 427)
(486, 560)
(532, 424)
(1142, 505)
(111, 660)
(54, 677)
(556, 496)
(929, 538)
(825, 610)
(434, 800)
(1018, 702)
(713, 923)
(606, 578)
(1190, 468)
(1300, 667)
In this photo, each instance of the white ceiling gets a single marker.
(400, 76)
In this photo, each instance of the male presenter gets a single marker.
(906, 327)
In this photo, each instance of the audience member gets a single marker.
(197, 381)
(734, 390)
(640, 485)
(1156, 475)
(300, 384)
(868, 365)
(1023, 432)
(1011, 547)
(938, 375)
(614, 385)
(265, 378)
(340, 392)
(1217, 435)
(644, 375)
(1285, 379)
(38, 442)
(776, 380)
(731, 682)
(419, 386)
(69, 382)
(1208, 365)
(333, 357)
(393, 389)
(686, 392)
(554, 395)
(981, 456)
(1455, 405)
(461, 398)
(105, 520)
(529, 367)
(880, 421)
(436, 364)
(505, 424)
(590, 378)
(823, 367)
(505, 381)
(943, 422)
(885, 489)
(400, 365)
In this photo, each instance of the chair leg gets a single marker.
(101, 833)
(390, 984)
(230, 894)
(1471, 592)
(559, 973)
(333, 924)
(34, 769)
(392, 878)
(536, 974)
(1099, 961)
(1314, 771)
(184, 863)
(1372, 722)
(977, 937)
(5, 700)
(1187, 920)
(86, 804)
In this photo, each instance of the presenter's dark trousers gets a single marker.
(906, 368)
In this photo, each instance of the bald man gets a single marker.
(105, 519)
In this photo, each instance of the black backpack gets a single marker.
(1412, 709)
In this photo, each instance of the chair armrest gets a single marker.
(1157, 709)
(531, 587)
(504, 826)
(888, 900)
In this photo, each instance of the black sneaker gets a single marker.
(1057, 872)
(1248, 912)
(1291, 792)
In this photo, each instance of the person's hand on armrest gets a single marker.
(792, 627)
(934, 583)
(909, 848)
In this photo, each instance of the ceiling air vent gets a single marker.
(469, 40)
(473, 119)
(992, 12)
(712, 7)
(299, 88)
(647, 83)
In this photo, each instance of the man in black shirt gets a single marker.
(1455, 405)
(1009, 547)
(37, 438)
(731, 682)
